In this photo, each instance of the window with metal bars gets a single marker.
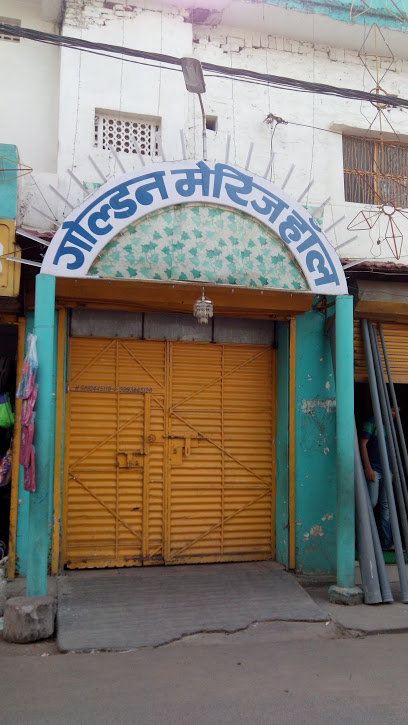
(120, 131)
(375, 171)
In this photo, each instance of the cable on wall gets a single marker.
(218, 70)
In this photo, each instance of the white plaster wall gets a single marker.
(311, 140)
(89, 82)
(29, 81)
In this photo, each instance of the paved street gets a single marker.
(283, 673)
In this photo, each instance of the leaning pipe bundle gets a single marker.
(395, 482)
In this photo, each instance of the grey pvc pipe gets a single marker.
(379, 557)
(364, 531)
(397, 452)
(396, 447)
(387, 419)
(392, 423)
(384, 462)
(394, 401)
(366, 552)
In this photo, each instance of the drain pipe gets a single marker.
(384, 461)
(387, 417)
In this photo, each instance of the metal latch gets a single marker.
(128, 459)
(181, 449)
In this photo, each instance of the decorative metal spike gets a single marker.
(321, 207)
(29, 262)
(305, 191)
(203, 309)
(250, 150)
(353, 264)
(77, 181)
(344, 244)
(61, 196)
(328, 229)
(268, 168)
(138, 151)
(289, 174)
(183, 144)
(97, 169)
(160, 146)
(227, 149)
(27, 235)
(116, 157)
(46, 216)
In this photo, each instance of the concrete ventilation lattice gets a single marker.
(119, 131)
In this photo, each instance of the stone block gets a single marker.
(345, 595)
(28, 619)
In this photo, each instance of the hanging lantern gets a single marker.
(203, 309)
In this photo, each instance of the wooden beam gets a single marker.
(292, 441)
(59, 415)
(144, 296)
(379, 311)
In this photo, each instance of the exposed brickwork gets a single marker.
(84, 14)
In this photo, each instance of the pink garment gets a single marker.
(29, 473)
(26, 440)
(27, 406)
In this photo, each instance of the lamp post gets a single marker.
(194, 80)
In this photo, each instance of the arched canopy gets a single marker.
(277, 239)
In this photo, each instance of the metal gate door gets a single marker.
(169, 453)
(221, 445)
(113, 505)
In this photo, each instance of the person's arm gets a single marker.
(370, 475)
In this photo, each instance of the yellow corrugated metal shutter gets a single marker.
(111, 520)
(396, 341)
(170, 453)
(222, 492)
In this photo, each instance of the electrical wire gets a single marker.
(26, 249)
(218, 70)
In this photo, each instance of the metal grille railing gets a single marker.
(375, 171)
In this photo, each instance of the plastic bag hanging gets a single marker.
(30, 365)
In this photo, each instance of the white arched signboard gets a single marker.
(128, 198)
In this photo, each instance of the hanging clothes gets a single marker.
(27, 391)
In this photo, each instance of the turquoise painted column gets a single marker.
(44, 435)
(345, 441)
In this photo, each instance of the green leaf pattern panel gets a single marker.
(200, 243)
